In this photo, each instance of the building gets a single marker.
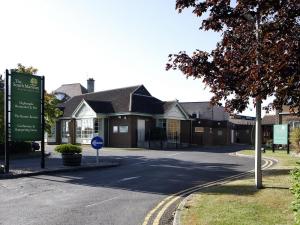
(128, 117)
(122, 116)
(209, 124)
(67, 91)
(268, 121)
(285, 116)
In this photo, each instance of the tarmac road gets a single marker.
(115, 196)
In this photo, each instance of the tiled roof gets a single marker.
(101, 106)
(123, 100)
(241, 121)
(269, 120)
(71, 89)
(205, 110)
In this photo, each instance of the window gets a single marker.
(294, 124)
(199, 129)
(123, 129)
(162, 123)
(98, 126)
(220, 132)
(115, 129)
(78, 128)
(86, 128)
(65, 128)
(173, 132)
(53, 132)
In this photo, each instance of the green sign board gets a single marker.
(25, 114)
(280, 134)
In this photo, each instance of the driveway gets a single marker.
(115, 196)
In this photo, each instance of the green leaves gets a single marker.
(295, 189)
(231, 69)
(295, 139)
(68, 148)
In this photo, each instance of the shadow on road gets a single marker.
(140, 174)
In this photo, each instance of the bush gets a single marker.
(68, 148)
(295, 139)
(295, 189)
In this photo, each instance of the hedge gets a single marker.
(295, 189)
(68, 148)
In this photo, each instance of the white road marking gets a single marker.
(175, 154)
(99, 203)
(129, 178)
(139, 163)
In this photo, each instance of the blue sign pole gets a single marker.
(97, 143)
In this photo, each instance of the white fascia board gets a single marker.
(101, 115)
(285, 113)
(180, 109)
(83, 102)
(162, 116)
(130, 114)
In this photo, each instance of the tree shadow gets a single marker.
(140, 174)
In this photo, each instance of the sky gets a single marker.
(118, 43)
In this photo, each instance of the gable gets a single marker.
(175, 113)
(142, 91)
(84, 110)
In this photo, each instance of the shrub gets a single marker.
(295, 139)
(68, 148)
(295, 189)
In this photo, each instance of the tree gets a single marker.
(23, 69)
(51, 102)
(231, 69)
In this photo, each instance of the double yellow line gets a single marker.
(161, 208)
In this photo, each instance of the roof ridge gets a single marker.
(196, 102)
(71, 84)
(106, 91)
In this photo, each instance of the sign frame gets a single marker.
(39, 107)
(281, 134)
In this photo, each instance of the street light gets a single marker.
(258, 172)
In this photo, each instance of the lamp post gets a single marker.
(258, 171)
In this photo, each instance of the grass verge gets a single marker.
(240, 203)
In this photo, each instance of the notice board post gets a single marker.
(24, 111)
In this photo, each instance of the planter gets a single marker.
(71, 159)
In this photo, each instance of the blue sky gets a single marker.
(118, 43)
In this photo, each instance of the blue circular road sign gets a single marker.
(97, 142)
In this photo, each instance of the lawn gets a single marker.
(240, 203)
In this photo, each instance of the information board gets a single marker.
(280, 134)
(26, 92)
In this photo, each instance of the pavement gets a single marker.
(25, 167)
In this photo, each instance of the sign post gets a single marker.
(97, 143)
(24, 111)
